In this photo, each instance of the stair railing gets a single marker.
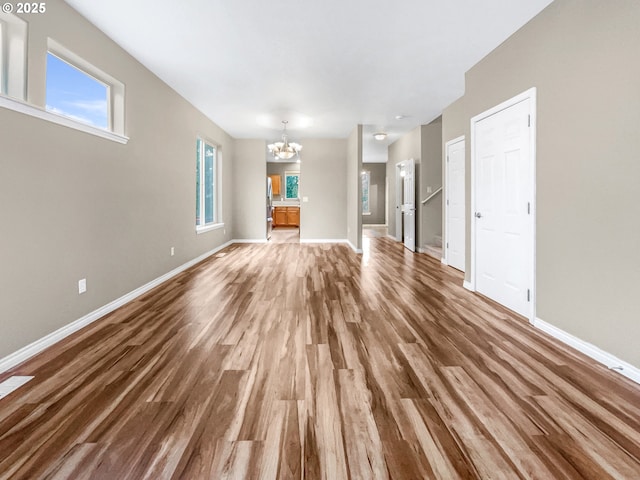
(431, 196)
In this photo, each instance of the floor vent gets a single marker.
(11, 384)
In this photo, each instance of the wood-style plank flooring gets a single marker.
(307, 361)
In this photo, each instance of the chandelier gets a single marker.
(284, 150)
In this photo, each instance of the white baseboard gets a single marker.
(468, 286)
(353, 247)
(41, 344)
(392, 238)
(324, 240)
(610, 361)
(444, 261)
(365, 225)
(249, 240)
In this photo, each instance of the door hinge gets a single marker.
(447, 201)
(447, 244)
(528, 295)
(447, 158)
(529, 208)
(528, 120)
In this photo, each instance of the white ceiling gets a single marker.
(323, 65)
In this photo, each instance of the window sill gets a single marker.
(208, 228)
(33, 111)
(368, 213)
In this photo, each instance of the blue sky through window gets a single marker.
(75, 94)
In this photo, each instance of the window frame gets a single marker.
(203, 226)
(291, 174)
(109, 109)
(13, 56)
(115, 88)
(116, 101)
(366, 177)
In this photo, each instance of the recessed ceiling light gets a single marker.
(380, 136)
(400, 117)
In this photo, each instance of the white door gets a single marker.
(455, 206)
(399, 199)
(503, 191)
(409, 205)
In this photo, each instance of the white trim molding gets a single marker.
(469, 286)
(607, 359)
(250, 240)
(324, 240)
(47, 341)
(37, 112)
(200, 229)
(354, 248)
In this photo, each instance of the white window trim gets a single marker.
(208, 228)
(43, 114)
(116, 101)
(115, 88)
(218, 220)
(13, 56)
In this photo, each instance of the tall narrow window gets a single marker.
(13, 56)
(292, 185)
(206, 168)
(76, 94)
(366, 183)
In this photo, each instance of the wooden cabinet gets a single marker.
(293, 216)
(286, 216)
(275, 184)
(279, 216)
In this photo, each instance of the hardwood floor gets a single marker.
(285, 235)
(309, 361)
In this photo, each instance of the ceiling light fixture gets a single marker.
(380, 136)
(285, 150)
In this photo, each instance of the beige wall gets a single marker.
(324, 182)
(430, 214)
(406, 147)
(73, 205)
(354, 187)
(250, 190)
(377, 189)
(582, 58)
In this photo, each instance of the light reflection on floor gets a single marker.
(369, 232)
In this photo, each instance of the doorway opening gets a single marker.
(406, 204)
(283, 201)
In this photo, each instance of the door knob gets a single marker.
(478, 215)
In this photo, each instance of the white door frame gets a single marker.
(528, 94)
(399, 202)
(445, 257)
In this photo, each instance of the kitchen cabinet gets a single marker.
(275, 184)
(286, 216)
(279, 216)
(293, 216)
